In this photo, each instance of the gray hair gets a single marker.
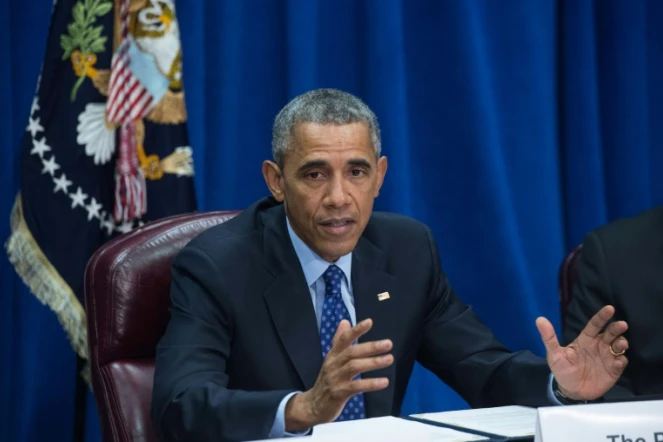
(321, 106)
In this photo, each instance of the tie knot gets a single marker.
(333, 277)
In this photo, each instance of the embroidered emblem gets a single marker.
(84, 41)
(155, 31)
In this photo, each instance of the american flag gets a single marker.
(128, 98)
(128, 101)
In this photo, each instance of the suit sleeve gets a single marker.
(463, 352)
(592, 292)
(191, 399)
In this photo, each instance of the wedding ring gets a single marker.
(614, 353)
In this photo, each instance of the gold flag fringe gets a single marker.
(45, 282)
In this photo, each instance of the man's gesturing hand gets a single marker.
(591, 365)
(335, 385)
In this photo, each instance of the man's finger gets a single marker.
(345, 336)
(620, 363)
(358, 366)
(366, 349)
(619, 345)
(598, 321)
(613, 331)
(343, 328)
(547, 333)
(366, 385)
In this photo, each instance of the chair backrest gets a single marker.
(568, 275)
(127, 297)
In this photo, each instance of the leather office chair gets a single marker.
(127, 297)
(568, 275)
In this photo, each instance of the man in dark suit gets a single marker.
(309, 308)
(621, 264)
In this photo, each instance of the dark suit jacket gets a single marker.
(243, 331)
(621, 264)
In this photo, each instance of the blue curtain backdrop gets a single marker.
(512, 129)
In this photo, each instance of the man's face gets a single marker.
(328, 182)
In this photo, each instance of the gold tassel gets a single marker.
(44, 281)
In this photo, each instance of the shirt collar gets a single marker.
(312, 264)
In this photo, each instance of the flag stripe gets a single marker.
(144, 110)
(117, 77)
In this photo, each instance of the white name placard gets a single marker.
(610, 422)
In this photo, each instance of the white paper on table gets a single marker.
(509, 421)
(388, 429)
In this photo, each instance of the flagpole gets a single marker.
(80, 402)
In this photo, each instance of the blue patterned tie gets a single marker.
(333, 311)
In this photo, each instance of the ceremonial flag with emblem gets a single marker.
(105, 149)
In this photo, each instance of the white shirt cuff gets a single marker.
(278, 428)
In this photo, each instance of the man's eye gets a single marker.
(314, 175)
(358, 172)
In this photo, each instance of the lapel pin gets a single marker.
(383, 296)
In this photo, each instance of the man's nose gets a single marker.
(337, 195)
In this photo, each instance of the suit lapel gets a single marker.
(368, 281)
(289, 304)
(289, 301)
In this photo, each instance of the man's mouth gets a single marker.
(337, 226)
(337, 223)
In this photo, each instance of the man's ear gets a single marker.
(382, 170)
(273, 177)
